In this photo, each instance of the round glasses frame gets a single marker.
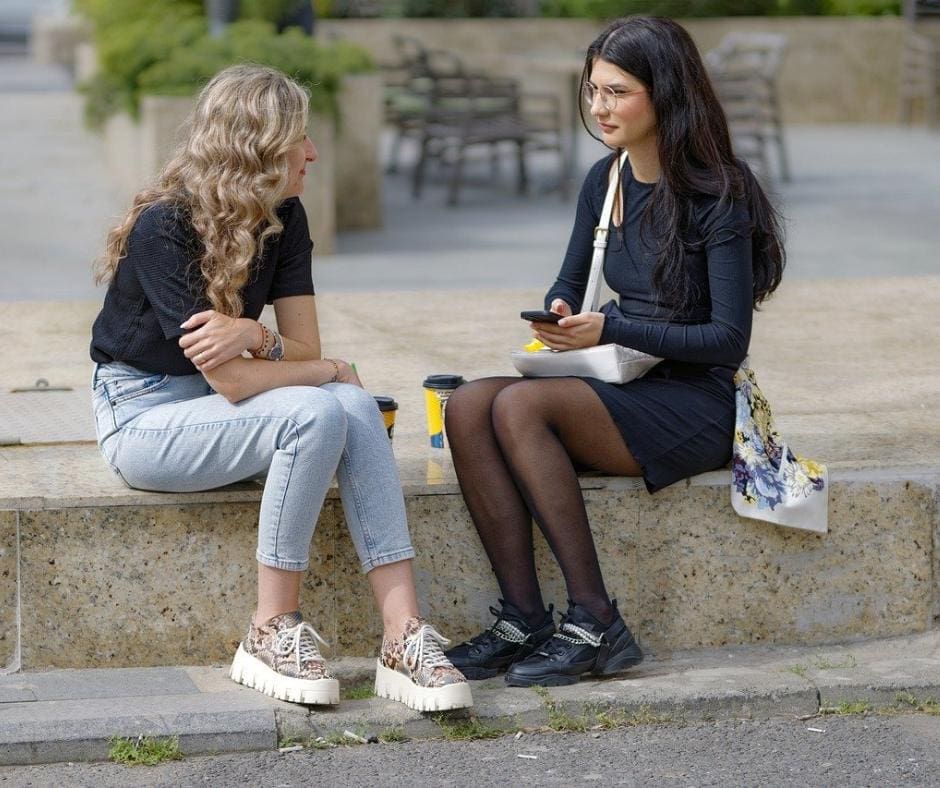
(609, 96)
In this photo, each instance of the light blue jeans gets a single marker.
(174, 434)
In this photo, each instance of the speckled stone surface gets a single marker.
(151, 585)
(8, 580)
(936, 556)
(709, 578)
(141, 586)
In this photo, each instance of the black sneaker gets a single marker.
(509, 639)
(582, 645)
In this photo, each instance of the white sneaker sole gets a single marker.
(252, 672)
(393, 685)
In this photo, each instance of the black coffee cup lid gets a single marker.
(386, 403)
(443, 381)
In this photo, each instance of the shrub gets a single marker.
(317, 66)
(166, 49)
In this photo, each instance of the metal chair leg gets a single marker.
(454, 191)
(523, 175)
(417, 179)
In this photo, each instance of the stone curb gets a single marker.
(752, 683)
(73, 715)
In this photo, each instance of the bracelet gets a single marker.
(262, 352)
(272, 346)
(335, 377)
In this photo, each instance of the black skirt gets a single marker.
(677, 420)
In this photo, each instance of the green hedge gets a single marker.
(603, 9)
(164, 48)
(600, 9)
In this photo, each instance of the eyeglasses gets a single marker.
(609, 96)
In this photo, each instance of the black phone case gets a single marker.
(540, 316)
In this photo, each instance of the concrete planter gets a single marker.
(358, 165)
(54, 39)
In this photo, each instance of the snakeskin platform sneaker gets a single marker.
(281, 659)
(412, 669)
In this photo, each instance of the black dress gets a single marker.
(677, 420)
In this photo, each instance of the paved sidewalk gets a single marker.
(72, 715)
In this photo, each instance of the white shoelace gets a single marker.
(423, 649)
(302, 641)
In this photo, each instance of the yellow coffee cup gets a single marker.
(388, 408)
(437, 390)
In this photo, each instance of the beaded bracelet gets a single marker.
(335, 377)
(270, 340)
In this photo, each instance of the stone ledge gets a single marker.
(687, 571)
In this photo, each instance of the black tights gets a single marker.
(516, 444)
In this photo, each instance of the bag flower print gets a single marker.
(768, 481)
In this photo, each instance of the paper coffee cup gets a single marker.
(437, 390)
(388, 408)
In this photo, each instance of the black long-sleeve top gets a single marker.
(716, 329)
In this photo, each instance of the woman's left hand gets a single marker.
(569, 333)
(215, 338)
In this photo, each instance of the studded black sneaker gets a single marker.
(509, 639)
(582, 645)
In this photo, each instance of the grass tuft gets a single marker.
(797, 670)
(615, 718)
(824, 663)
(559, 719)
(927, 706)
(144, 751)
(393, 735)
(466, 729)
(359, 692)
(847, 707)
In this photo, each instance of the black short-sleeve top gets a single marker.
(158, 286)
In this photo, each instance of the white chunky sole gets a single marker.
(252, 672)
(393, 685)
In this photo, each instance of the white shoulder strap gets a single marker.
(593, 290)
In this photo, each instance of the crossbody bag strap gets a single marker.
(601, 232)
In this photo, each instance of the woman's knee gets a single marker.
(469, 406)
(515, 406)
(355, 400)
(311, 410)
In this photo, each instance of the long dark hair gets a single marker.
(694, 147)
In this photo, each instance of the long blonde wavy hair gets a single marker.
(229, 175)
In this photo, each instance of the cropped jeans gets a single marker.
(172, 433)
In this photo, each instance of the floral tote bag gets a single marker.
(768, 481)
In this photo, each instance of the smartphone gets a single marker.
(541, 316)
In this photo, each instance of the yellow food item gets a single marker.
(535, 345)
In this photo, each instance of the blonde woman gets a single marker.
(179, 407)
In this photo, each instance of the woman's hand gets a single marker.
(347, 374)
(215, 338)
(569, 333)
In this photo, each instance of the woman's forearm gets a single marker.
(241, 378)
(295, 350)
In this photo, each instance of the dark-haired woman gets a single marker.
(694, 246)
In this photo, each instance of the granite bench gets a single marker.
(95, 574)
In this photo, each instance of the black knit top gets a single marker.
(158, 286)
(716, 329)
